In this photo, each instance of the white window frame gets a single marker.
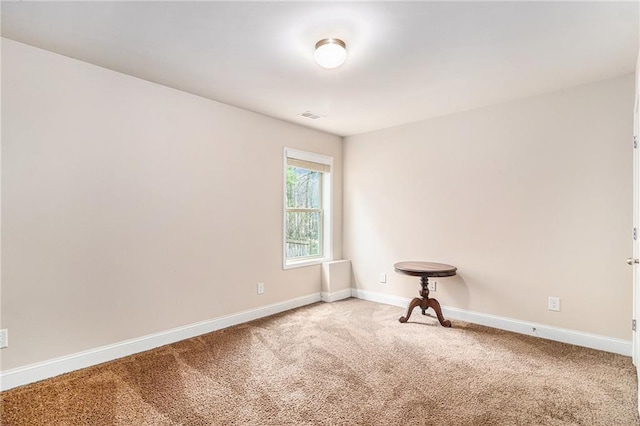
(327, 216)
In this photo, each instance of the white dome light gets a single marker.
(330, 52)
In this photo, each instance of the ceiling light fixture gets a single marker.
(330, 52)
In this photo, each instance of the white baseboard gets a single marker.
(336, 295)
(54, 367)
(578, 338)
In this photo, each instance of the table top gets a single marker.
(425, 269)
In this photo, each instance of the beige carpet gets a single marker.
(344, 363)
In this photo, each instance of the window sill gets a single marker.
(292, 264)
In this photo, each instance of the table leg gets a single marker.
(424, 282)
(425, 303)
(415, 302)
(435, 305)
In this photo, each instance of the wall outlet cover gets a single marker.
(554, 304)
(4, 338)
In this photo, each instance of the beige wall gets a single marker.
(529, 199)
(129, 208)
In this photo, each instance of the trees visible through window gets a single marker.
(305, 206)
(304, 212)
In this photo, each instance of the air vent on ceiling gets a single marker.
(311, 115)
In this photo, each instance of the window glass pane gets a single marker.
(303, 188)
(304, 230)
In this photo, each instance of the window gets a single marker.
(307, 213)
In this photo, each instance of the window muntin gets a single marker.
(306, 210)
(304, 221)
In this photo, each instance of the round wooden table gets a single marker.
(424, 270)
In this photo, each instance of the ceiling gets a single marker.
(408, 61)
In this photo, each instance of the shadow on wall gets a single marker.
(457, 291)
(454, 291)
(450, 291)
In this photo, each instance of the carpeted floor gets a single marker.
(344, 363)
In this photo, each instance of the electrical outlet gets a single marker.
(260, 288)
(383, 277)
(554, 304)
(4, 338)
(432, 286)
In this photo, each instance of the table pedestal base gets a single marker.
(425, 303)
